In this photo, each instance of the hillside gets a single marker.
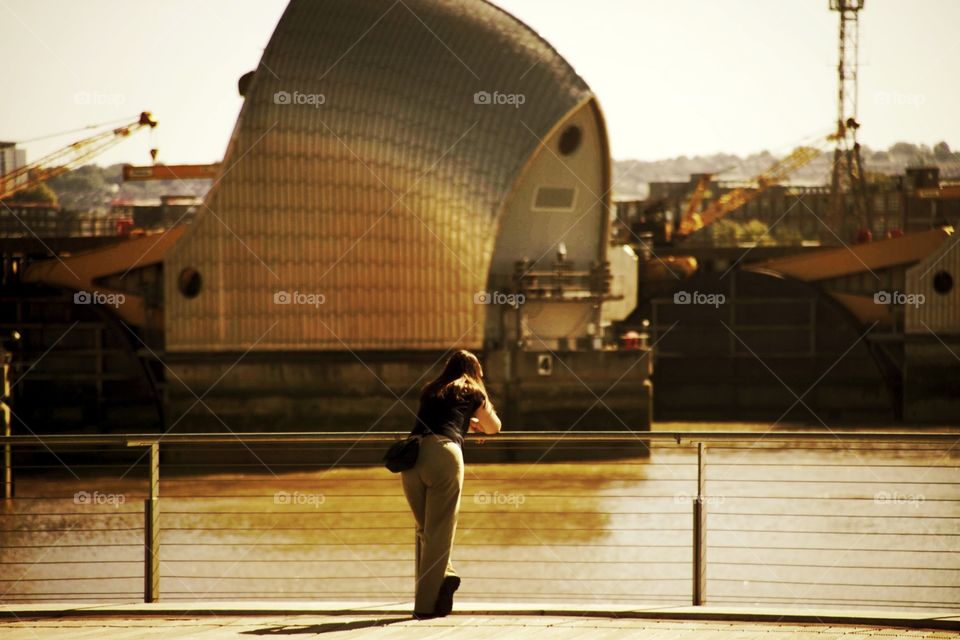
(631, 176)
(92, 187)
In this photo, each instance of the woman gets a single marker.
(449, 406)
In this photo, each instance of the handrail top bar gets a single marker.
(680, 437)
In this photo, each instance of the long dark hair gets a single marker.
(460, 379)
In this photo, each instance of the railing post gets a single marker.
(7, 430)
(7, 453)
(416, 560)
(151, 529)
(700, 529)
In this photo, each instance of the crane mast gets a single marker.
(848, 202)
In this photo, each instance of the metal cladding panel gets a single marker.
(380, 199)
(937, 311)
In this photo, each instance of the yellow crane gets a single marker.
(729, 202)
(691, 219)
(70, 157)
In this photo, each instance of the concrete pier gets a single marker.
(220, 620)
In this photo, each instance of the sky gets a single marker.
(678, 77)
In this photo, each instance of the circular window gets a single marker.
(942, 282)
(570, 140)
(189, 282)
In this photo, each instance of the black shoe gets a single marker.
(424, 616)
(445, 598)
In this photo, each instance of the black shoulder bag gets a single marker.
(402, 454)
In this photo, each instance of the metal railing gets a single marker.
(773, 470)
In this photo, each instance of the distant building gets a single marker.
(27, 219)
(156, 213)
(931, 313)
(928, 201)
(11, 159)
(795, 214)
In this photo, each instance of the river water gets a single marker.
(830, 525)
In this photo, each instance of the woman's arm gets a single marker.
(485, 419)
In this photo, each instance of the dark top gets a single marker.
(448, 418)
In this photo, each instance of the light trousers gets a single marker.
(432, 488)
